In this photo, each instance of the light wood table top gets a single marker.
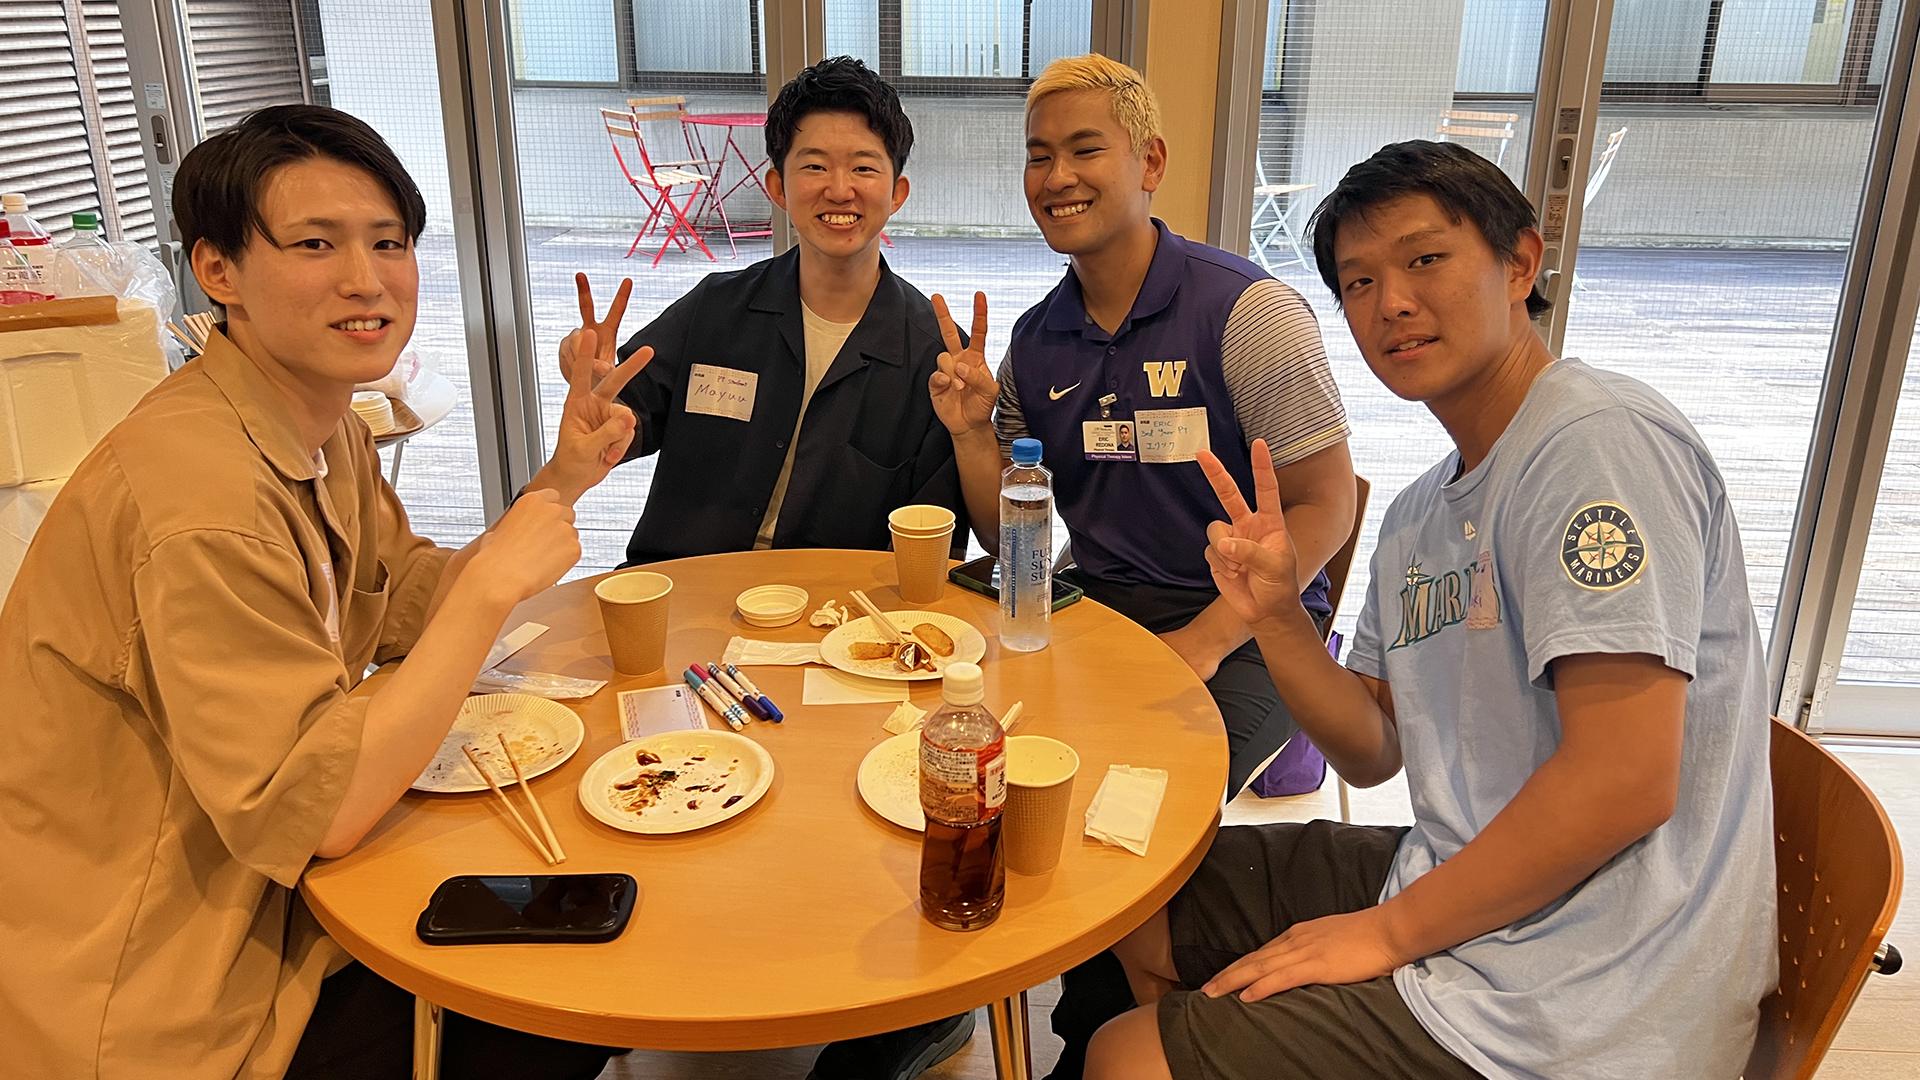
(798, 920)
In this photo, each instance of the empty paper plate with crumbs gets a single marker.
(676, 781)
(543, 735)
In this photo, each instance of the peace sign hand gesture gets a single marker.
(963, 389)
(595, 428)
(1251, 554)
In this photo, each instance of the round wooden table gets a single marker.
(797, 921)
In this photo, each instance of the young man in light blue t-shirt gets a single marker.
(1559, 646)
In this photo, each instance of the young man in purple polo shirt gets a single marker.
(1197, 350)
(1192, 347)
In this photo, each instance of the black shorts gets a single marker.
(1256, 881)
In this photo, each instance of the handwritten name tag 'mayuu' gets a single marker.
(718, 391)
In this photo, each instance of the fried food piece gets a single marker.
(872, 650)
(934, 638)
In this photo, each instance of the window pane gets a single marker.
(391, 81)
(1656, 40)
(1780, 41)
(565, 41)
(693, 35)
(853, 29)
(1330, 107)
(961, 37)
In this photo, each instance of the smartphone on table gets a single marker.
(982, 575)
(480, 909)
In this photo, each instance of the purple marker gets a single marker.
(741, 677)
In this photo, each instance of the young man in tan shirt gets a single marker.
(185, 631)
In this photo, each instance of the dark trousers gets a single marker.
(1258, 724)
(362, 1029)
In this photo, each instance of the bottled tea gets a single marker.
(963, 786)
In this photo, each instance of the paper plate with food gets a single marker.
(676, 781)
(542, 734)
(936, 639)
(889, 781)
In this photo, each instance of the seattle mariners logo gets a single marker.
(1602, 549)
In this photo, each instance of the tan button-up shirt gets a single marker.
(177, 733)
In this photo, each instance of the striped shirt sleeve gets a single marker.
(1009, 422)
(1277, 374)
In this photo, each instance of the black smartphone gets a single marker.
(484, 910)
(982, 575)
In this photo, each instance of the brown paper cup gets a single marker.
(921, 520)
(633, 605)
(920, 560)
(1040, 775)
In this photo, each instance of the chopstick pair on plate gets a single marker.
(894, 633)
(550, 851)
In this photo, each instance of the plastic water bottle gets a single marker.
(1026, 550)
(87, 256)
(28, 236)
(963, 789)
(20, 281)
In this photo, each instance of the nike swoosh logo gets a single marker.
(1056, 395)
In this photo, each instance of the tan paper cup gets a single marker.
(922, 538)
(921, 520)
(1040, 775)
(633, 605)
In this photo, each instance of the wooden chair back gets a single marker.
(1838, 864)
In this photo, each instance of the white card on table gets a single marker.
(828, 687)
(1171, 435)
(662, 708)
(719, 391)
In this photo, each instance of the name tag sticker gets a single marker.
(1169, 436)
(719, 391)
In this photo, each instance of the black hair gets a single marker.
(1466, 185)
(216, 193)
(839, 84)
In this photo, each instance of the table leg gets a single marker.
(1012, 1048)
(393, 474)
(427, 1018)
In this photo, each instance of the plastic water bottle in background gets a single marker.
(20, 281)
(1026, 550)
(88, 264)
(963, 789)
(29, 237)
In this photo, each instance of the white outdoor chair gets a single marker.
(1466, 123)
(1273, 219)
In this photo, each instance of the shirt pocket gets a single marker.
(365, 615)
(851, 510)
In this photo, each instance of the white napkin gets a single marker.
(1125, 807)
(825, 687)
(750, 652)
(906, 716)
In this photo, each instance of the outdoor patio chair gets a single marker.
(673, 106)
(1273, 218)
(1466, 123)
(656, 185)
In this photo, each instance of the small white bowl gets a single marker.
(772, 605)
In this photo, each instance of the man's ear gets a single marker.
(776, 189)
(1155, 165)
(216, 273)
(900, 190)
(1523, 269)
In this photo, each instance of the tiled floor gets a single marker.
(1881, 1039)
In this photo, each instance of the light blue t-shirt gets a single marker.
(1597, 524)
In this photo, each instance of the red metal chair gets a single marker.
(656, 185)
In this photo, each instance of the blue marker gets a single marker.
(732, 690)
(735, 718)
(773, 711)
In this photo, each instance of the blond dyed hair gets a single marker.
(1127, 92)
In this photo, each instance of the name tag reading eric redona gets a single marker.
(719, 391)
(1167, 436)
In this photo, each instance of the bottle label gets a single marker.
(963, 786)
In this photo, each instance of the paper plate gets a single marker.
(543, 734)
(889, 781)
(969, 645)
(697, 779)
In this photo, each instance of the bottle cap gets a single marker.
(962, 684)
(13, 202)
(1026, 452)
(86, 219)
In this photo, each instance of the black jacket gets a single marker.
(870, 441)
